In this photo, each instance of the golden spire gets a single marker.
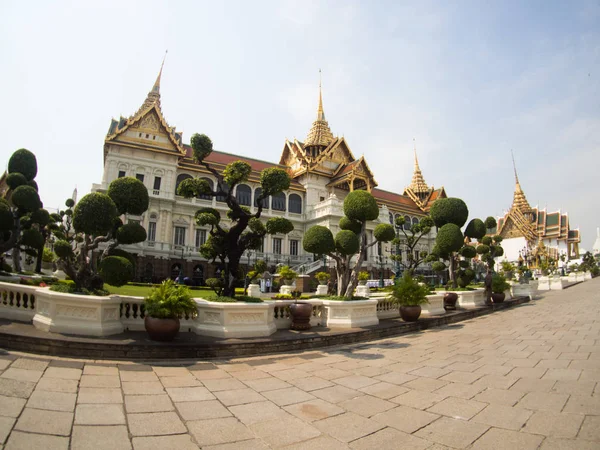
(418, 185)
(153, 97)
(319, 135)
(519, 200)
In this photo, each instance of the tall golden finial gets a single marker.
(319, 135)
(514, 166)
(156, 87)
(153, 97)
(320, 112)
(519, 200)
(418, 184)
(415, 150)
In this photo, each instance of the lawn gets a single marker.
(143, 291)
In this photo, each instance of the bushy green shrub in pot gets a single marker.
(164, 306)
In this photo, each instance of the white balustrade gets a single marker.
(17, 302)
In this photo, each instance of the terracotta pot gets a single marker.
(410, 313)
(300, 313)
(498, 298)
(450, 300)
(161, 329)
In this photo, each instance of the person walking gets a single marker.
(487, 281)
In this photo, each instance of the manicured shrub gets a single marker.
(449, 238)
(131, 233)
(94, 214)
(23, 161)
(449, 210)
(360, 206)
(63, 249)
(475, 229)
(384, 232)
(32, 238)
(6, 217)
(486, 240)
(116, 270)
(490, 223)
(277, 225)
(346, 242)
(318, 240)
(15, 179)
(202, 146)
(483, 249)
(130, 195)
(26, 198)
(438, 266)
(468, 251)
(352, 225)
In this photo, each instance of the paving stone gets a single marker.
(257, 412)
(348, 426)
(30, 441)
(267, 384)
(224, 384)
(493, 369)
(100, 395)
(527, 372)
(583, 404)
(171, 371)
(384, 390)
(155, 424)
(367, 405)
(499, 397)
(100, 381)
(336, 394)
(137, 376)
(250, 444)
(97, 414)
(390, 439)
(553, 364)
(290, 374)
(355, 381)
(405, 419)
(568, 444)
(208, 409)
(93, 369)
(11, 406)
(498, 439)
(288, 396)
(218, 431)
(496, 381)
(100, 438)
(418, 399)
(461, 377)
(574, 387)
(69, 363)
(311, 383)
(460, 390)
(558, 425)
(57, 385)
(318, 443)
(395, 378)
(429, 372)
(64, 373)
(452, 432)
(590, 375)
(543, 401)
(30, 364)
(54, 401)
(179, 442)
(186, 381)
(562, 374)
(6, 424)
(330, 374)
(143, 388)
(531, 385)
(316, 409)
(250, 375)
(211, 374)
(45, 422)
(425, 384)
(148, 403)
(237, 397)
(503, 416)
(235, 367)
(32, 376)
(458, 408)
(590, 430)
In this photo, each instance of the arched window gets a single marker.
(198, 275)
(415, 221)
(212, 186)
(221, 198)
(391, 218)
(278, 202)
(243, 194)
(258, 193)
(407, 223)
(295, 204)
(175, 270)
(180, 178)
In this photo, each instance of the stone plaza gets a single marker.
(522, 378)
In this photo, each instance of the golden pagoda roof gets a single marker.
(519, 200)
(418, 185)
(153, 97)
(320, 133)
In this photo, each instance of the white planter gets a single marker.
(281, 313)
(558, 283)
(471, 299)
(387, 308)
(59, 274)
(572, 277)
(587, 275)
(322, 289)
(253, 290)
(523, 290)
(77, 314)
(286, 289)
(350, 314)
(580, 276)
(435, 307)
(363, 291)
(544, 283)
(234, 320)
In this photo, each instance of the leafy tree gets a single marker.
(589, 264)
(409, 243)
(96, 220)
(360, 207)
(246, 231)
(18, 208)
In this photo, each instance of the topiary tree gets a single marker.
(96, 220)
(18, 207)
(410, 241)
(246, 231)
(359, 208)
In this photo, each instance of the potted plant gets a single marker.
(300, 313)
(499, 285)
(48, 257)
(287, 275)
(164, 306)
(363, 277)
(508, 269)
(322, 278)
(410, 294)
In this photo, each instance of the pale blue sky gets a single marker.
(469, 81)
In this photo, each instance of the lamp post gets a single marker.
(381, 265)
(398, 256)
(248, 255)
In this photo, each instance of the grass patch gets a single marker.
(143, 291)
(340, 298)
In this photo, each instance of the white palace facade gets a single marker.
(323, 170)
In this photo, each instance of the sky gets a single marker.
(469, 81)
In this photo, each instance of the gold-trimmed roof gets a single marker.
(519, 200)
(418, 185)
(320, 134)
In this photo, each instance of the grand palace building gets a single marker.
(323, 170)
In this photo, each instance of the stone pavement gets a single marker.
(523, 378)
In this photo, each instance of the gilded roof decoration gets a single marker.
(319, 134)
(418, 185)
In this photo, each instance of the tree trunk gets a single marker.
(38, 262)
(361, 256)
(231, 270)
(452, 271)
